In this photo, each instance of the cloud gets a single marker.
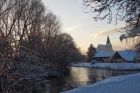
(105, 33)
(73, 28)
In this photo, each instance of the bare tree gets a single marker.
(30, 35)
(124, 10)
(51, 27)
(127, 10)
(18, 19)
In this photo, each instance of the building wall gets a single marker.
(137, 58)
(104, 60)
(107, 60)
(118, 60)
(107, 48)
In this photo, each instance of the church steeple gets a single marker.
(108, 41)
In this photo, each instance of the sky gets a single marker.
(81, 26)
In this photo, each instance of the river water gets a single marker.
(80, 76)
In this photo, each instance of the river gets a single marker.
(80, 76)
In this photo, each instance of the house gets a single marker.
(124, 56)
(115, 57)
(105, 53)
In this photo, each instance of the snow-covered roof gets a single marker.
(104, 54)
(128, 55)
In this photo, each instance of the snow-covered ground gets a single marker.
(115, 66)
(119, 84)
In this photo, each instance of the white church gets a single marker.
(105, 53)
(107, 47)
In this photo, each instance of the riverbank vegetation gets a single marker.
(31, 42)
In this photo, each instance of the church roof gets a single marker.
(104, 54)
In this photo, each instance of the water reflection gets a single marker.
(83, 76)
(80, 76)
(102, 74)
(56, 86)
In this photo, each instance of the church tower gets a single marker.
(108, 41)
(108, 45)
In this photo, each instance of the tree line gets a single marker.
(28, 31)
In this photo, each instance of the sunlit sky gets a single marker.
(81, 26)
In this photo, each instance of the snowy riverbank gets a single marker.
(119, 84)
(114, 66)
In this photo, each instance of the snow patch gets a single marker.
(118, 84)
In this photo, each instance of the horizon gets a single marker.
(69, 46)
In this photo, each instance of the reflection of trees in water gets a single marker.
(69, 85)
(94, 75)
